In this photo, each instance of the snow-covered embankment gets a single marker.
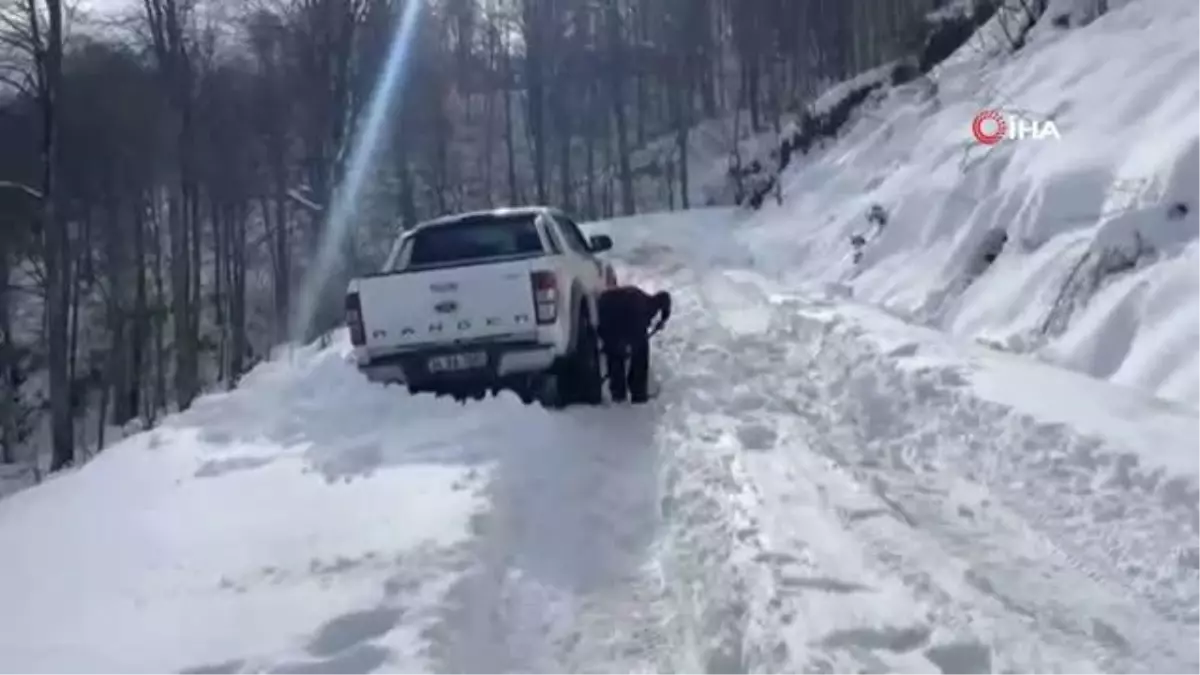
(1082, 250)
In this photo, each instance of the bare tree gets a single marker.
(35, 31)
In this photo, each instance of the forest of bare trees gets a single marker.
(165, 167)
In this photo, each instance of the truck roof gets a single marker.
(484, 213)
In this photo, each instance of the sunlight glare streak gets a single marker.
(371, 134)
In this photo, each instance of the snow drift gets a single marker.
(1081, 250)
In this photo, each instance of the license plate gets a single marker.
(455, 362)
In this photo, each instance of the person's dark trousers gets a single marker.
(624, 318)
(639, 369)
(614, 355)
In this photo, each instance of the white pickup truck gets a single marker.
(482, 302)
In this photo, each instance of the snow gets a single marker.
(909, 501)
(256, 528)
(820, 486)
(1096, 266)
(846, 470)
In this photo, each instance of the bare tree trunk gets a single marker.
(218, 213)
(55, 242)
(669, 172)
(165, 20)
(514, 195)
(407, 196)
(640, 33)
(237, 295)
(681, 143)
(9, 389)
(639, 107)
(535, 34)
(102, 412)
(282, 282)
(589, 138)
(116, 371)
(439, 161)
(616, 86)
(195, 287)
(131, 397)
(563, 132)
(489, 115)
(181, 297)
(159, 317)
(219, 224)
(751, 75)
(73, 292)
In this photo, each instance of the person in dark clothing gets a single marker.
(626, 314)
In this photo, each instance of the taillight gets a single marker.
(358, 335)
(545, 296)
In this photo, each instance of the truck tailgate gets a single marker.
(448, 305)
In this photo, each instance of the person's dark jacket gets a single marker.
(626, 316)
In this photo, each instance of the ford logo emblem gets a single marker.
(446, 307)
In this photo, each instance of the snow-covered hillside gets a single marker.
(1082, 250)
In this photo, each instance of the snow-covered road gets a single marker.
(818, 488)
(910, 504)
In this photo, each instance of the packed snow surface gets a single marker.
(818, 487)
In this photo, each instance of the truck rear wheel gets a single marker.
(586, 379)
(577, 377)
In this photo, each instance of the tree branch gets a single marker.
(305, 202)
(20, 187)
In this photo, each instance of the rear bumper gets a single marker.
(504, 361)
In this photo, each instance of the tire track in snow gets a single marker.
(609, 547)
(985, 588)
(570, 572)
(992, 489)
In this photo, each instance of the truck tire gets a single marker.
(576, 379)
(586, 380)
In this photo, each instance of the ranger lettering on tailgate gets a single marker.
(463, 325)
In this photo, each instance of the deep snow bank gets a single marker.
(307, 522)
(1082, 250)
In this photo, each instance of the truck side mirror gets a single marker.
(599, 243)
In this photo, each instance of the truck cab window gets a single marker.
(475, 239)
(556, 246)
(575, 238)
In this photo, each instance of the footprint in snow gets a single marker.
(967, 656)
(348, 630)
(363, 658)
(757, 436)
(891, 638)
(231, 666)
(827, 584)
